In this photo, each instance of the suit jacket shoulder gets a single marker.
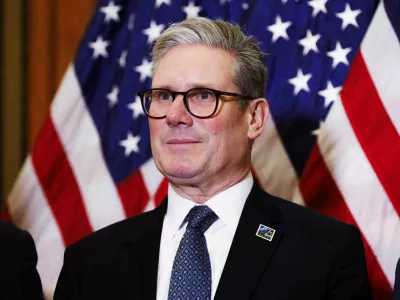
(305, 256)
(117, 262)
(308, 221)
(118, 232)
(18, 276)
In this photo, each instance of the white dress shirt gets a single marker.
(227, 205)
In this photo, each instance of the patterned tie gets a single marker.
(191, 272)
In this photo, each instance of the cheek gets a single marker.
(155, 128)
(214, 128)
(223, 133)
(231, 133)
(230, 122)
(219, 125)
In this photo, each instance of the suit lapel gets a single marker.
(249, 254)
(144, 246)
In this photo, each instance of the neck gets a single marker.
(201, 193)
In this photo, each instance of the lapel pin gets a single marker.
(265, 232)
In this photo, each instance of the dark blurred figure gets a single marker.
(19, 279)
(396, 290)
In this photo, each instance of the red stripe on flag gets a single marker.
(321, 194)
(133, 193)
(162, 191)
(59, 185)
(374, 130)
(5, 214)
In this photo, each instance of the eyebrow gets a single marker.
(194, 86)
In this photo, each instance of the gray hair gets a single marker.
(249, 71)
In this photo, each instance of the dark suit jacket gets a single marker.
(310, 257)
(19, 279)
(396, 289)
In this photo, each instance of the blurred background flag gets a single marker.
(332, 143)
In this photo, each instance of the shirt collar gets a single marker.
(227, 205)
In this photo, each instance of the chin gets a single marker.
(177, 170)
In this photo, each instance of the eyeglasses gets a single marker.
(200, 102)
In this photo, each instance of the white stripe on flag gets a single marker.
(381, 51)
(152, 179)
(361, 189)
(81, 143)
(273, 167)
(151, 176)
(30, 210)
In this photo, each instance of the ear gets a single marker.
(258, 113)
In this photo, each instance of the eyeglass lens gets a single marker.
(201, 102)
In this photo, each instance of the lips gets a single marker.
(182, 141)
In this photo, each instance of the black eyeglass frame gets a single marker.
(217, 93)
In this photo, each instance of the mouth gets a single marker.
(182, 141)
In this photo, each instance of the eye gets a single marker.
(161, 95)
(202, 95)
(165, 95)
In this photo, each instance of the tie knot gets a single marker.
(201, 217)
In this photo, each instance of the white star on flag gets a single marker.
(160, 2)
(122, 59)
(222, 2)
(136, 108)
(113, 96)
(99, 47)
(330, 93)
(191, 10)
(318, 131)
(318, 6)
(300, 82)
(111, 12)
(310, 42)
(339, 55)
(130, 144)
(245, 6)
(144, 69)
(153, 32)
(279, 29)
(349, 16)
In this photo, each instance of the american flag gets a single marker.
(332, 143)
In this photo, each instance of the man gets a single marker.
(218, 235)
(396, 289)
(19, 279)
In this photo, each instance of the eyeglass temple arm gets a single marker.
(237, 95)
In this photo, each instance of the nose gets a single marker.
(177, 114)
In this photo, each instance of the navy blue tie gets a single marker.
(191, 271)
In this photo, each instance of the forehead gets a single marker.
(185, 66)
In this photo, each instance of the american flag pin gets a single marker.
(265, 232)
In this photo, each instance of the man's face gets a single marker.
(189, 150)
